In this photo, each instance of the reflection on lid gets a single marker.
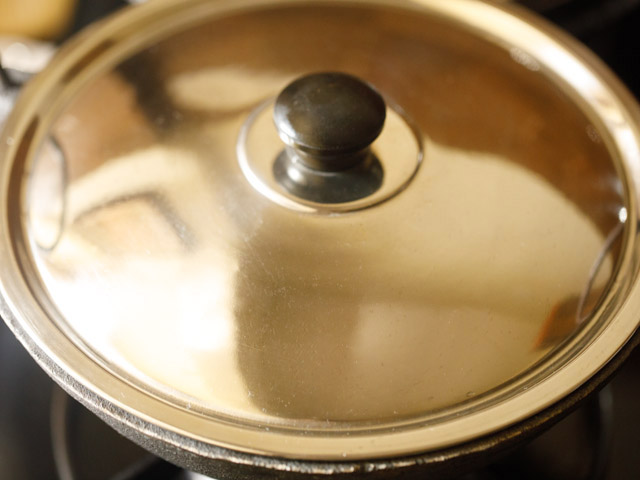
(341, 322)
(177, 273)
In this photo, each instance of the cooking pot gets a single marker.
(300, 239)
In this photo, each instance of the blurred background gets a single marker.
(608, 27)
(45, 435)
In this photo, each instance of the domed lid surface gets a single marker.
(151, 249)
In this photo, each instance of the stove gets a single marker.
(44, 434)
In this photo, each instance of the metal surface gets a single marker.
(212, 333)
(380, 173)
(333, 187)
(89, 449)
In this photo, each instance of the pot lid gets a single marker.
(197, 231)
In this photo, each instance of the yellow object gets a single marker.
(45, 19)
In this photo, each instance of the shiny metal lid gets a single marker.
(152, 251)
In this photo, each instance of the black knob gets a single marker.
(329, 119)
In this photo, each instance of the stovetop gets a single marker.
(46, 435)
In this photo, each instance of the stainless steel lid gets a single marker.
(154, 250)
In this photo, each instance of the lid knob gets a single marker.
(329, 119)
